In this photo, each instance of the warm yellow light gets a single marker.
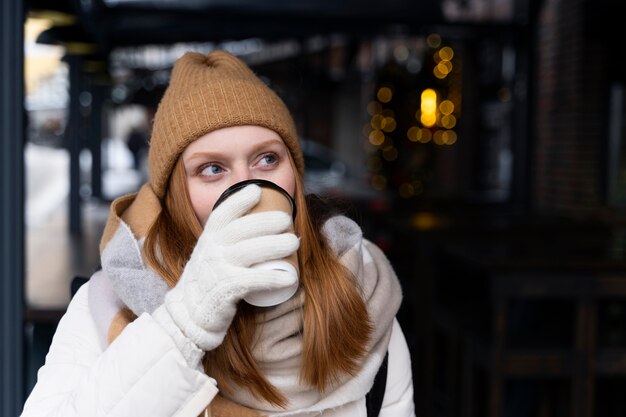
(446, 53)
(389, 124)
(428, 108)
(53, 17)
(448, 121)
(377, 121)
(443, 68)
(449, 137)
(446, 107)
(412, 133)
(428, 120)
(429, 100)
(438, 74)
(438, 138)
(427, 221)
(34, 27)
(376, 137)
(424, 135)
(384, 94)
(40, 61)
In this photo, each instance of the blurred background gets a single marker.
(478, 143)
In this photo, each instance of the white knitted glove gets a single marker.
(219, 274)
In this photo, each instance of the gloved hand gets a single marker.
(219, 274)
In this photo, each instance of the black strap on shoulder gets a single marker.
(374, 398)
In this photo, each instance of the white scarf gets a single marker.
(278, 350)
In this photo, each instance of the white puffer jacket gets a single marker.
(143, 374)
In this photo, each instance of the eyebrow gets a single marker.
(219, 155)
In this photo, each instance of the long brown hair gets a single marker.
(335, 328)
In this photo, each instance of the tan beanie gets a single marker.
(207, 93)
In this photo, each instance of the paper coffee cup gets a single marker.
(273, 198)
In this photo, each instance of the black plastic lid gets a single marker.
(261, 183)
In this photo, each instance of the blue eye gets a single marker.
(269, 159)
(211, 169)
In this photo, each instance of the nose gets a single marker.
(241, 174)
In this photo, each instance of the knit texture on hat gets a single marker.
(207, 93)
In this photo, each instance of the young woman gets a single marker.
(162, 329)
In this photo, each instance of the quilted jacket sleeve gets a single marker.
(140, 373)
(398, 400)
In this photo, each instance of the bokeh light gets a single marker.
(446, 107)
(433, 40)
(446, 53)
(428, 107)
(376, 137)
(384, 94)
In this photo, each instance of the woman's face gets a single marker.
(227, 156)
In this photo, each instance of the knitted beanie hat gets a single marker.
(207, 93)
